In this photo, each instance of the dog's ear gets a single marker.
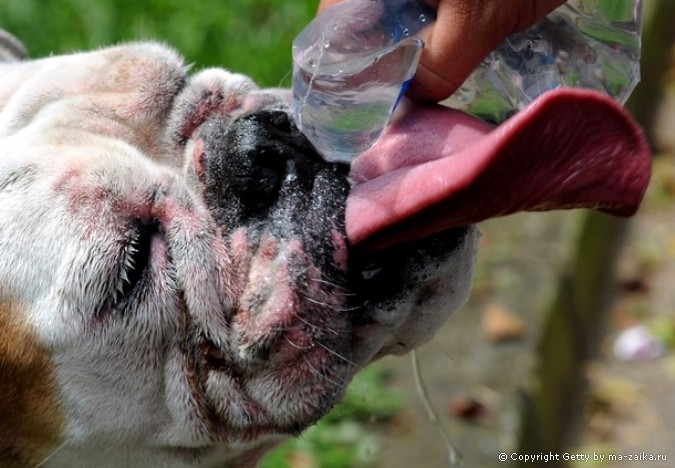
(11, 49)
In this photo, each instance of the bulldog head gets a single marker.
(184, 281)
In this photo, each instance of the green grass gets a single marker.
(225, 33)
(345, 438)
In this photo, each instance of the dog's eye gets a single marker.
(134, 259)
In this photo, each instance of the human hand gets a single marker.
(464, 33)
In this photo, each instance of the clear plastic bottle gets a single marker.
(591, 44)
(351, 65)
(354, 61)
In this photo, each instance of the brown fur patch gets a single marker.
(30, 420)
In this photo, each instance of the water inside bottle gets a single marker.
(587, 44)
(343, 103)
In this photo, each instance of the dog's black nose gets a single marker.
(254, 161)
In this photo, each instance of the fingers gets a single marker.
(323, 4)
(465, 32)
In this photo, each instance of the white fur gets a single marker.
(81, 135)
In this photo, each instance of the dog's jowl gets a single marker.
(185, 282)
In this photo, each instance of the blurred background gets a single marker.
(567, 342)
(207, 32)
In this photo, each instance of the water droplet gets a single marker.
(326, 44)
(406, 32)
(423, 18)
(312, 63)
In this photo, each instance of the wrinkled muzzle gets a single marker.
(280, 209)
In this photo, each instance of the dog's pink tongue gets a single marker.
(436, 168)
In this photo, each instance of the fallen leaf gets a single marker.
(467, 408)
(500, 325)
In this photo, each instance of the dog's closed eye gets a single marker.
(134, 259)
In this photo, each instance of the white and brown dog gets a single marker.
(184, 282)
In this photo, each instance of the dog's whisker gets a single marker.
(317, 327)
(333, 284)
(324, 376)
(283, 82)
(443, 350)
(295, 345)
(281, 329)
(336, 354)
(54, 452)
(335, 307)
(454, 456)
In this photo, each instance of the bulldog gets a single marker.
(185, 282)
